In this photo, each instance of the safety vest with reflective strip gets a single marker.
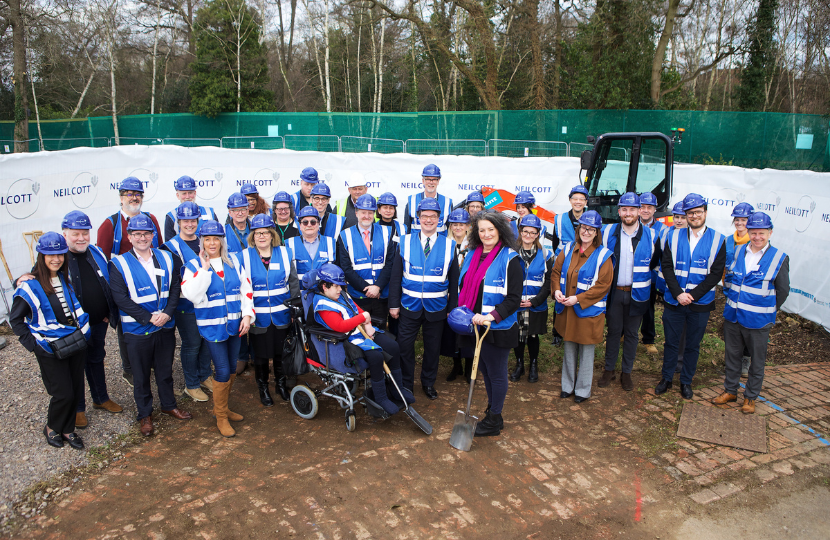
(235, 240)
(296, 198)
(179, 247)
(446, 207)
(205, 214)
(586, 278)
(750, 296)
(219, 317)
(425, 283)
(342, 204)
(657, 228)
(660, 282)
(396, 230)
(270, 286)
(347, 310)
(730, 255)
(564, 230)
(115, 219)
(143, 291)
(43, 324)
(495, 286)
(692, 268)
(641, 279)
(367, 265)
(325, 253)
(534, 278)
(334, 226)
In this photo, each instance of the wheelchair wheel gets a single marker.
(304, 402)
(351, 421)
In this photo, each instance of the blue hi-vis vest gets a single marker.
(585, 279)
(143, 291)
(326, 252)
(534, 278)
(692, 268)
(657, 228)
(115, 219)
(495, 286)
(367, 265)
(270, 285)
(564, 229)
(235, 240)
(750, 296)
(347, 310)
(425, 283)
(334, 226)
(446, 208)
(296, 199)
(179, 247)
(43, 324)
(660, 282)
(641, 279)
(101, 261)
(730, 256)
(219, 317)
(205, 214)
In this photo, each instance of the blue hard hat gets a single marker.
(629, 199)
(321, 190)
(524, 197)
(51, 243)
(578, 189)
(429, 203)
(459, 215)
(188, 210)
(759, 220)
(693, 200)
(388, 199)
(743, 209)
(648, 198)
(283, 196)
(309, 279)
(131, 183)
(262, 221)
(531, 220)
(76, 220)
(460, 320)
(591, 218)
(475, 196)
(677, 210)
(211, 228)
(431, 170)
(185, 183)
(331, 273)
(366, 202)
(141, 222)
(249, 189)
(237, 200)
(309, 175)
(308, 211)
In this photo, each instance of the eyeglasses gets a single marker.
(132, 194)
(238, 210)
(283, 210)
(590, 230)
(308, 222)
(262, 233)
(320, 198)
(695, 213)
(427, 218)
(529, 232)
(142, 235)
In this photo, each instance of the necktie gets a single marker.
(426, 248)
(366, 241)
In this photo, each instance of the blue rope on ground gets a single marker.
(824, 441)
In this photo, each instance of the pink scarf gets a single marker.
(475, 276)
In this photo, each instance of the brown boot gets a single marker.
(724, 398)
(607, 377)
(232, 416)
(80, 420)
(626, 382)
(220, 408)
(748, 406)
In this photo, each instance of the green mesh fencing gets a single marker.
(757, 140)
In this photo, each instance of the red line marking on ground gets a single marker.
(638, 509)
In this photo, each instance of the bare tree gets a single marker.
(15, 18)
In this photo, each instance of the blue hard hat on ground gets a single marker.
(531, 220)
(743, 209)
(524, 197)
(188, 210)
(51, 243)
(648, 198)
(475, 196)
(429, 203)
(366, 202)
(388, 198)
(185, 183)
(460, 320)
(262, 221)
(321, 190)
(283, 196)
(591, 218)
(211, 228)
(759, 220)
(578, 189)
(141, 222)
(76, 220)
(693, 200)
(249, 189)
(237, 200)
(308, 211)
(131, 183)
(309, 175)
(677, 210)
(459, 215)
(629, 199)
(431, 170)
(332, 273)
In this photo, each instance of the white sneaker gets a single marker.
(196, 394)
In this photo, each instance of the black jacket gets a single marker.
(345, 263)
(637, 308)
(121, 294)
(708, 283)
(20, 311)
(395, 291)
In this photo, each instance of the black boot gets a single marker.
(379, 391)
(533, 371)
(491, 425)
(519, 371)
(456, 368)
(397, 374)
(279, 380)
(261, 374)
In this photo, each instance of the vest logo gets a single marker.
(21, 200)
(802, 213)
(208, 183)
(83, 190)
(437, 270)
(148, 179)
(701, 261)
(141, 289)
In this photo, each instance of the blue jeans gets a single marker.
(224, 354)
(674, 319)
(94, 366)
(195, 353)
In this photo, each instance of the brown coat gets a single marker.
(589, 330)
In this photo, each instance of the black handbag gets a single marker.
(293, 356)
(69, 345)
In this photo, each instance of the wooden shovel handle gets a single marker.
(479, 341)
(6, 264)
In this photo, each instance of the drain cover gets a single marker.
(723, 426)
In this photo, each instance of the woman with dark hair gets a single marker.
(583, 273)
(387, 213)
(282, 212)
(256, 204)
(459, 229)
(45, 309)
(490, 286)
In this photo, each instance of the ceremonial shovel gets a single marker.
(465, 424)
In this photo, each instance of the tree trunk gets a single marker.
(83, 95)
(112, 94)
(557, 54)
(328, 69)
(239, 60)
(359, 35)
(536, 51)
(21, 99)
(37, 110)
(660, 51)
(155, 54)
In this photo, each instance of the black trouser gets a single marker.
(619, 323)
(267, 345)
(375, 358)
(647, 329)
(532, 348)
(64, 382)
(122, 349)
(378, 309)
(94, 366)
(152, 351)
(407, 332)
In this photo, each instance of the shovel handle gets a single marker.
(479, 341)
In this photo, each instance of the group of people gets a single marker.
(223, 286)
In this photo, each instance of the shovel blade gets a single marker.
(463, 431)
(419, 420)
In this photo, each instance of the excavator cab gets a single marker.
(623, 162)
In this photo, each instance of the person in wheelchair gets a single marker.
(334, 310)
